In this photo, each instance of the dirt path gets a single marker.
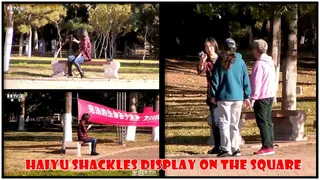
(80, 84)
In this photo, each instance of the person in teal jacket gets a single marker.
(230, 89)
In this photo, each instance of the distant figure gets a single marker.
(84, 52)
(262, 82)
(230, 89)
(206, 64)
(83, 133)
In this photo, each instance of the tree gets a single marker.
(38, 15)
(22, 113)
(67, 120)
(110, 21)
(101, 24)
(120, 25)
(146, 19)
(289, 77)
(9, 37)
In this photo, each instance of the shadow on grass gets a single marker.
(32, 138)
(303, 83)
(99, 141)
(180, 90)
(189, 152)
(30, 74)
(186, 119)
(202, 140)
(189, 127)
(187, 140)
(32, 146)
(182, 67)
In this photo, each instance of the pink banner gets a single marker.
(104, 115)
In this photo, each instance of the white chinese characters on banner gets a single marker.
(110, 114)
(91, 109)
(104, 112)
(115, 115)
(119, 115)
(98, 111)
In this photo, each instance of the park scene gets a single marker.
(45, 125)
(290, 31)
(122, 50)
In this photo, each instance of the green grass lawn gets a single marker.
(40, 67)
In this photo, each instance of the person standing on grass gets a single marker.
(84, 52)
(230, 89)
(83, 133)
(262, 81)
(207, 61)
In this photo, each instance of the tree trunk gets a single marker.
(314, 34)
(276, 50)
(155, 130)
(157, 103)
(67, 120)
(54, 46)
(131, 130)
(30, 43)
(9, 37)
(22, 114)
(104, 37)
(125, 52)
(250, 36)
(106, 47)
(43, 47)
(145, 43)
(60, 49)
(26, 47)
(21, 44)
(70, 46)
(36, 47)
(115, 50)
(93, 49)
(111, 46)
(289, 76)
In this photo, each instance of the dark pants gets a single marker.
(93, 143)
(263, 114)
(215, 124)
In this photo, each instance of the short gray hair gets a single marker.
(261, 45)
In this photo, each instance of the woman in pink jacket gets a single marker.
(262, 81)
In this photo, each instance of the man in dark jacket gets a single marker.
(83, 133)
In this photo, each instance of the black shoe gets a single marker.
(214, 151)
(236, 153)
(223, 154)
(69, 68)
(94, 153)
(80, 70)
